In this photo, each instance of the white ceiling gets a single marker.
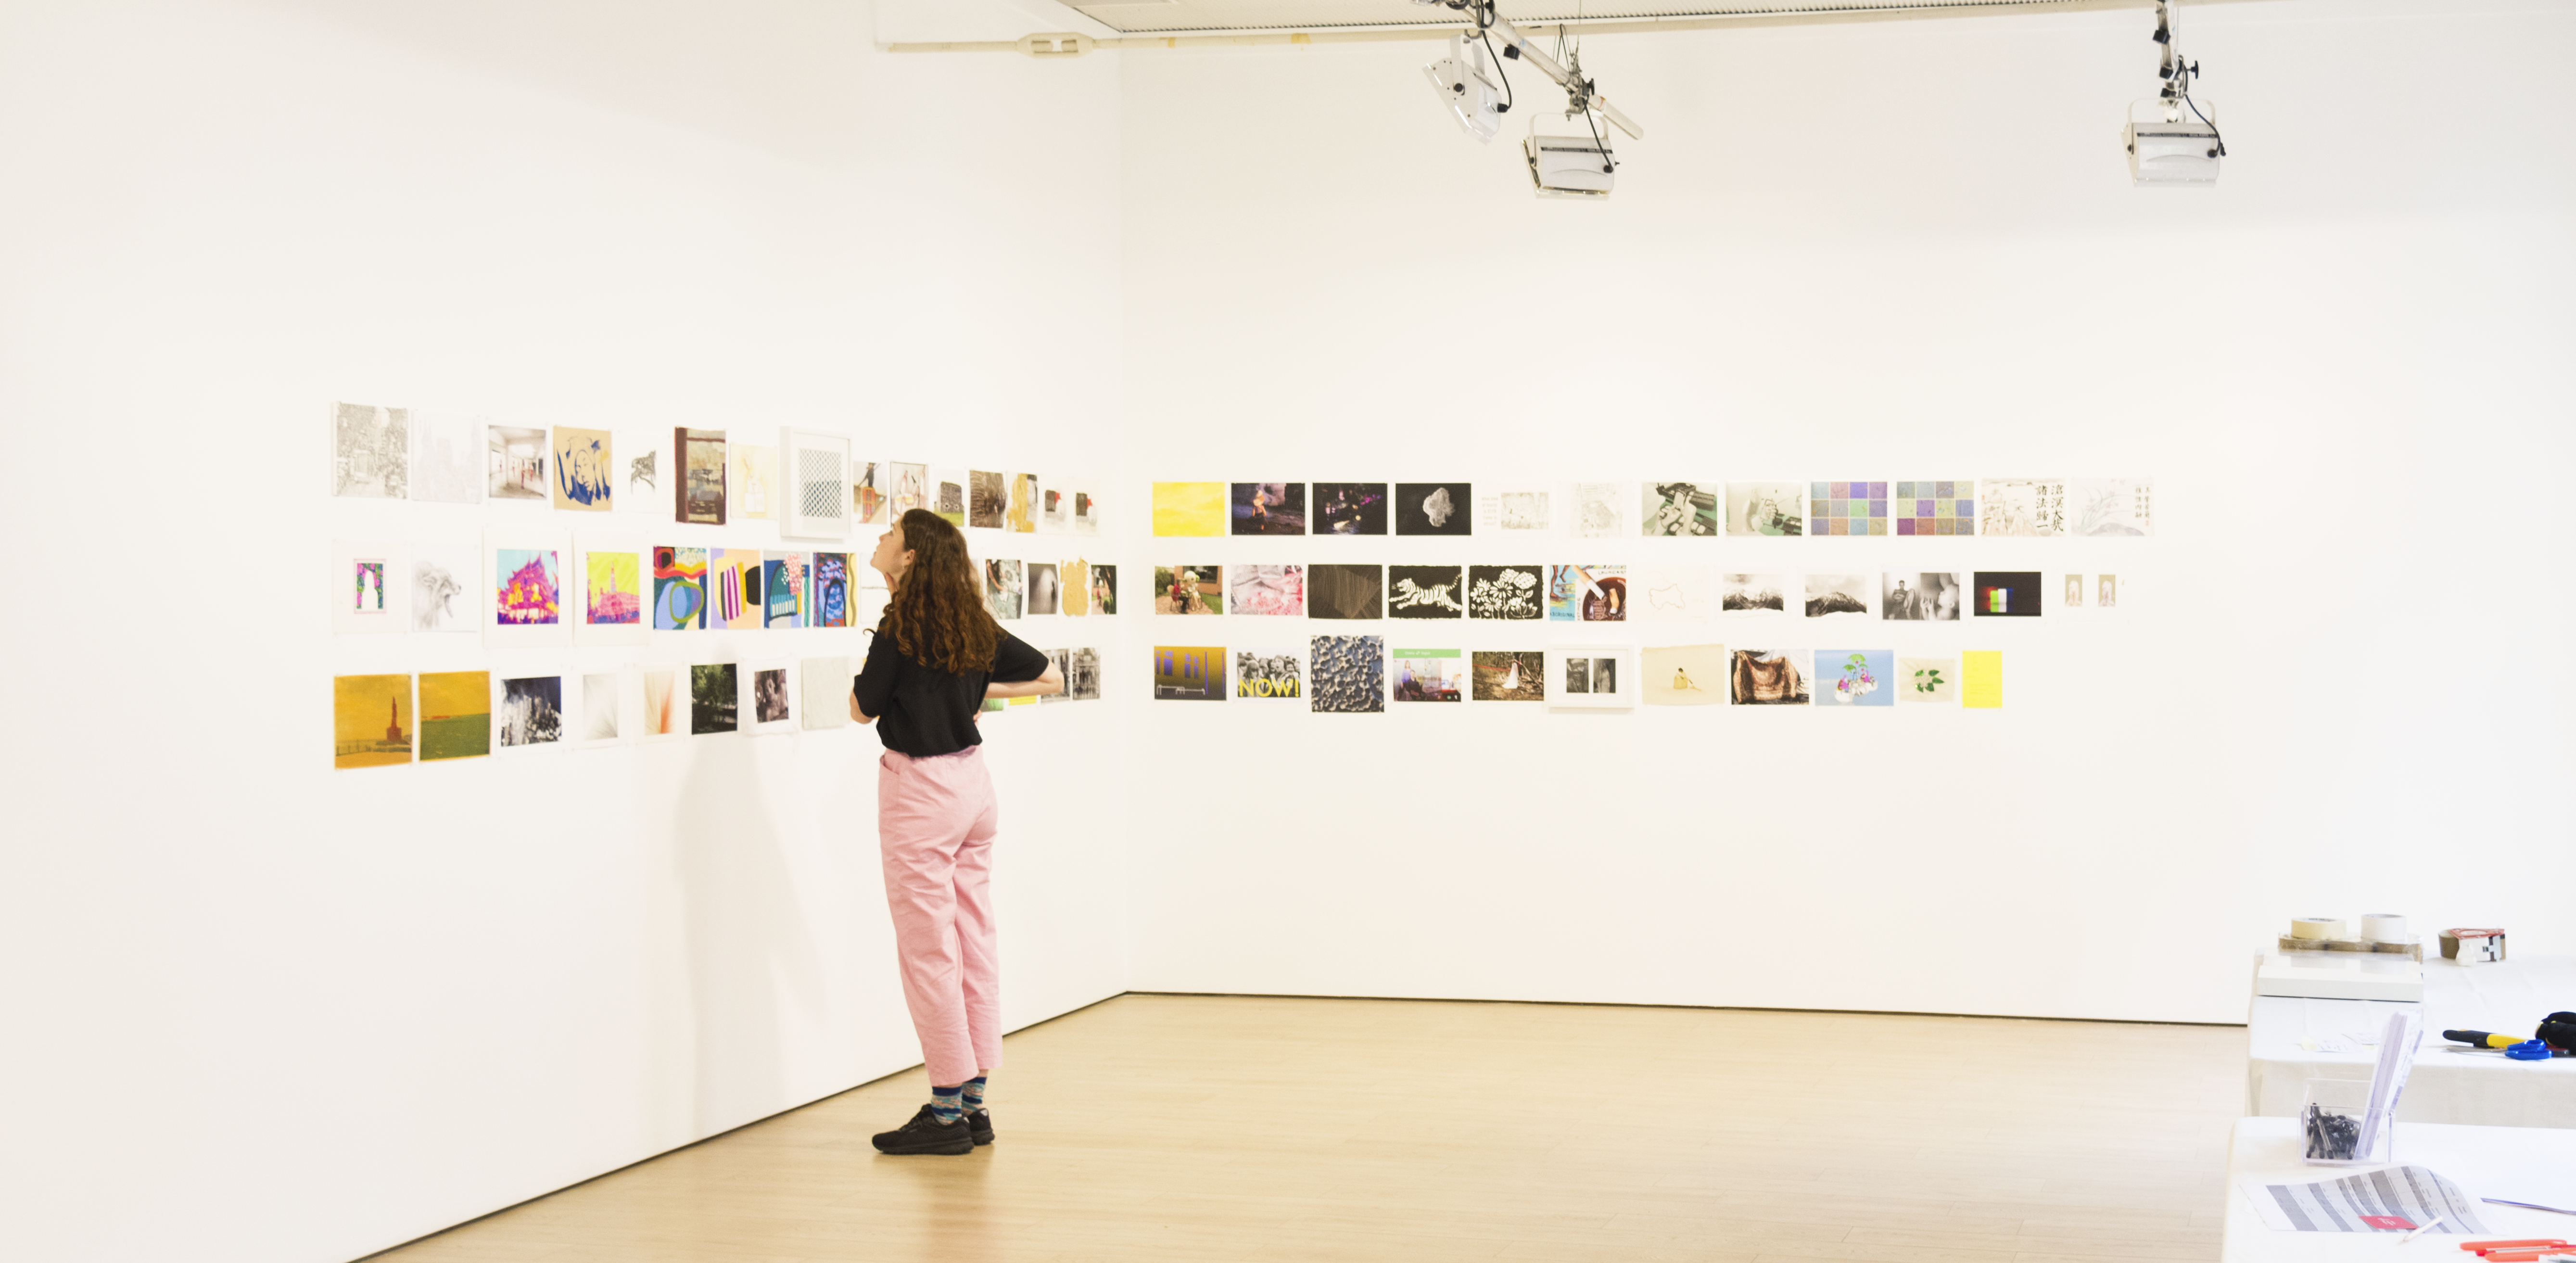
(1149, 16)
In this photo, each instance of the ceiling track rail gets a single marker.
(1066, 44)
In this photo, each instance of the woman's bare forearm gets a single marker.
(1051, 682)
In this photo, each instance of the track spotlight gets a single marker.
(2172, 139)
(1462, 82)
(1569, 166)
(1479, 92)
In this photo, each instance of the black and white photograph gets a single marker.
(1346, 675)
(531, 711)
(1435, 508)
(769, 696)
(1591, 677)
(1920, 596)
(1424, 592)
(1838, 595)
(1044, 594)
(1505, 592)
(1081, 675)
(1345, 591)
(1081, 671)
(1746, 595)
(2006, 593)
(370, 452)
(1348, 508)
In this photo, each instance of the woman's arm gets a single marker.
(856, 713)
(1051, 682)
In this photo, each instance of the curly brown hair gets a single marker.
(936, 613)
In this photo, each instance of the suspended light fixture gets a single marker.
(2172, 139)
(1575, 166)
(1463, 83)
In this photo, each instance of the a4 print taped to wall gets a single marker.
(1660, 588)
(567, 549)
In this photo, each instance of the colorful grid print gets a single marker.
(1847, 508)
(1936, 508)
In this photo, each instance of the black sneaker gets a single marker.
(979, 1124)
(926, 1134)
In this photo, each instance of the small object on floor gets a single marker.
(2428, 1227)
(2528, 1050)
(2528, 1206)
(927, 1134)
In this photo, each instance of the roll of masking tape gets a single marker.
(2316, 927)
(2383, 927)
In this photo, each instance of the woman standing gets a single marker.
(936, 656)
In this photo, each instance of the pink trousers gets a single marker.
(935, 823)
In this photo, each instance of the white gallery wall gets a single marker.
(265, 1010)
(1888, 251)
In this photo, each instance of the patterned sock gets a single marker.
(972, 1100)
(943, 1105)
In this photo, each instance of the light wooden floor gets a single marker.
(1208, 1128)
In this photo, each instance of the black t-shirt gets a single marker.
(924, 711)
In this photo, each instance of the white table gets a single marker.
(2485, 1088)
(2525, 1164)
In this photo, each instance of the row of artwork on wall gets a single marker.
(543, 587)
(1362, 675)
(1655, 592)
(1672, 508)
(803, 479)
(381, 720)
